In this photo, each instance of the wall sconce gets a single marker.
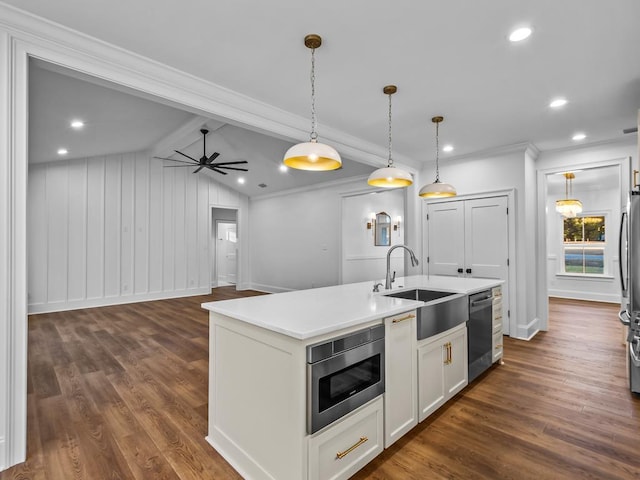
(371, 221)
(396, 225)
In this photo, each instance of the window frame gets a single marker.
(606, 260)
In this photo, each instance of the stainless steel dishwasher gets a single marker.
(479, 329)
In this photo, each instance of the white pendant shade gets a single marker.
(312, 156)
(390, 177)
(437, 189)
(569, 207)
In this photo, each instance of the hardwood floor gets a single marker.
(121, 392)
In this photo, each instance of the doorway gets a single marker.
(224, 247)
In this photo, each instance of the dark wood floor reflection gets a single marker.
(121, 392)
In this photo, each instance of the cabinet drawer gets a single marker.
(348, 445)
(497, 346)
(497, 325)
(497, 291)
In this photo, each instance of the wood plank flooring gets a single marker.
(121, 392)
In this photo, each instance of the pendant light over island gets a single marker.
(437, 189)
(312, 155)
(390, 176)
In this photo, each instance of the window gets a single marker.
(584, 245)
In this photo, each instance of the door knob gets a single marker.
(460, 270)
(468, 270)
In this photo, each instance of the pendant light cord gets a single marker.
(390, 164)
(314, 123)
(437, 153)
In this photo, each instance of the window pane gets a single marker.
(584, 260)
(573, 229)
(593, 229)
(573, 260)
(594, 260)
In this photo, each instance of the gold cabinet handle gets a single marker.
(498, 346)
(402, 319)
(635, 178)
(351, 448)
(448, 347)
(450, 353)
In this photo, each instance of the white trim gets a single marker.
(315, 186)
(590, 297)
(117, 300)
(585, 276)
(268, 288)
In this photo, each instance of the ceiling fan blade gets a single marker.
(213, 156)
(232, 163)
(198, 169)
(172, 160)
(184, 155)
(216, 170)
(179, 166)
(231, 168)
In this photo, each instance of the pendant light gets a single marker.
(437, 189)
(312, 155)
(568, 207)
(390, 176)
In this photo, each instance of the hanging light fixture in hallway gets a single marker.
(437, 189)
(568, 207)
(312, 155)
(390, 176)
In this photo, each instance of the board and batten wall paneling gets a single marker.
(117, 229)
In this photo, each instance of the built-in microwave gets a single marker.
(342, 374)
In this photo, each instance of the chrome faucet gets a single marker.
(414, 263)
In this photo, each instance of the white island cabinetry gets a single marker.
(258, 377)
(442, 369)
(400, 398)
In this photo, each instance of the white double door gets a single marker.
(470, 238)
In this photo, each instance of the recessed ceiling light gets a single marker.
(579, 136)
(558, 102)
(77, 124)
(283, 168)
(520, 34)
(241, 180)
(62, 151)
(447, 148)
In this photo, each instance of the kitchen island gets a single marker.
(258, 385)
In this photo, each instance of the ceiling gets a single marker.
(447, 58)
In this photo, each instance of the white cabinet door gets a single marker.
(442, 369)
(401, 377)
(456, 375)
(431, 393)
(486, 233)
(445, 238)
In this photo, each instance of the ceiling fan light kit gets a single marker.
(437, 189)
(312, 155)
(205, 162)
(390, 176)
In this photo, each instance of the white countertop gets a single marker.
(304, 314)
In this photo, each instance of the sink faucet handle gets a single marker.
(393, 279)
(376, 287)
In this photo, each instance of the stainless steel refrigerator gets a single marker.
(629, 255)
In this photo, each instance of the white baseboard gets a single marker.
(268, 288)
(105, 301)
(3, 454)
(528, 331)
(587, 296)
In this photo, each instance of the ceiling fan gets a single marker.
(205, 162)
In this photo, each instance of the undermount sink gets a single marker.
(419, 294)
(436, 317)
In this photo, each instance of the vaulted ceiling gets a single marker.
(449, 58)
